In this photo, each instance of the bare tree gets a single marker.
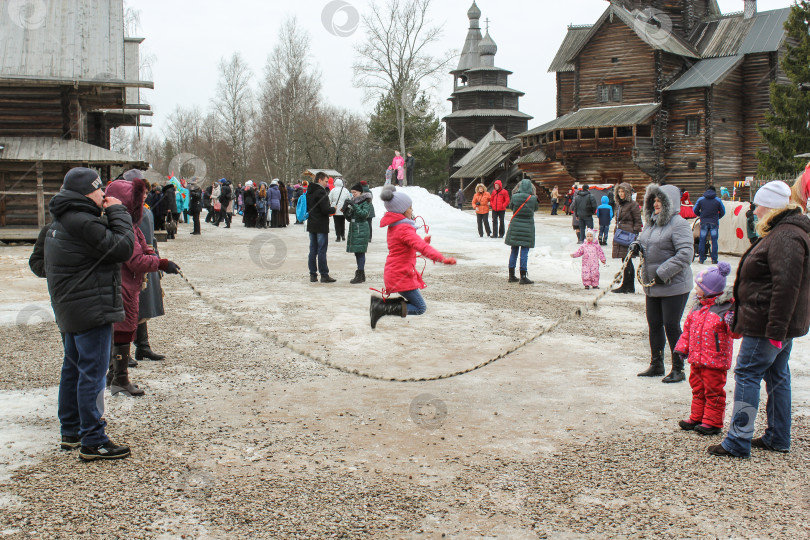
(183, 128)
(233, 107)
(290, 93)
(394, 60)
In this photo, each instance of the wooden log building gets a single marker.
(67, 76)
(668, 91)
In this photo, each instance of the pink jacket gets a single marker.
(403, 243)
(398, 162)
(707, 339)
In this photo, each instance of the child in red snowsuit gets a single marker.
(591, 254)
(707, 341)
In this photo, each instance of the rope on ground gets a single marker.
(576, 313)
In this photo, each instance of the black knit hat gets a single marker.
(357, 187)
(82, 181)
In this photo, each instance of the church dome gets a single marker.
(487, 46)
(474, 13)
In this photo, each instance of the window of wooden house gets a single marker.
(624, 131)
(491, 103)
(587, 134)
(692, 125)
(603, 93)
(644, 131)
(570, 134)
(616, 93)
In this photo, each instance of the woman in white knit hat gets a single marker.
(772, 292)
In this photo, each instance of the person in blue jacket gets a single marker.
(709, 209)
(604, 212)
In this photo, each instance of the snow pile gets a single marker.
(22, 436)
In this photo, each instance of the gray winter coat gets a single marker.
(667, 243)
(151, 301)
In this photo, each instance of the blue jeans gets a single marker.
(524, 258)
(318, 242)
(416, 304)
(81, 386)
(361, 261)
(603, 233)
(712, 230)
(758, 360)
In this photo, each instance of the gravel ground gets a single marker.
(239, 438)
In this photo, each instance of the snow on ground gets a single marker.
(27, 420)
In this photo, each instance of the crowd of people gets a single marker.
(103, 270)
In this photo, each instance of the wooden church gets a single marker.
(665, 91)
(485, 112)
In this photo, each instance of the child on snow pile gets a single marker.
(707, 342)
(605, 214)
(400, 272)
(591, 254)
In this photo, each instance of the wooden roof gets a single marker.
(483, 144)
(593, 117)
(52, 149)
(471, 113)
(573, 41)
(706, 73)
(485, 163)
(462, 143)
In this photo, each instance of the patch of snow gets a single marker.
(21, 441)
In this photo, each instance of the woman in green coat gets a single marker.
(357, 211)
(521, 229)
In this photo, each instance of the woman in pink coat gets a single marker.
(400, 273)
(398, 164)
(132, 194)
(591, 254)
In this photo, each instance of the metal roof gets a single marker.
(470, 113)
(732, 35)
(538, 156)
(493, 156)
(329, 172)
(69, 39)
(483, 144)
(489, 68)
(53, 149)
(573, 41)
(592, 117)
(487, 88)
(706, 73)
(653, 35)
(462, 143)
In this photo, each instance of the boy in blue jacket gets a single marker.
(605, 214)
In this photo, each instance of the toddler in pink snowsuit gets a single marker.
(591, 254)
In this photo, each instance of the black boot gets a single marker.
(142, 349)
(656, 368)
(326, 279)
(676, 375)
(380, 308)
(119, 381)
(512, 277)
(313, 278)
(359, 277)
(524, 278)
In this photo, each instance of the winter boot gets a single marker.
(380, 308)
(313, 278)
(512, 278)
(676, 375)
(359, 277)
(524, 278)
(326, 279)
(142, 349)
(656, 368)
(119, 381)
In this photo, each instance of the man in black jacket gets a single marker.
(83, 256)
(318, 227)
(584, 207)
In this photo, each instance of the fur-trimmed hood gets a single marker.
(670, 203)
(131, 195)
(628, 190)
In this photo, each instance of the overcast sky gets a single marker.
(188, 38)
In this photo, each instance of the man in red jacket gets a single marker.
(499, 202)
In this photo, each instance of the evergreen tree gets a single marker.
(424, 135)
(787, 131)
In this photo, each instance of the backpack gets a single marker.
(301, 212)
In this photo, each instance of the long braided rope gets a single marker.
(576, 313)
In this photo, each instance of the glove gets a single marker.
(427, 239)
(449, 260)
(168, 266)
(659, 281)
(777, 344)
(635, 249)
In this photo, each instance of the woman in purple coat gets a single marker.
(274, 204)
(132, 194)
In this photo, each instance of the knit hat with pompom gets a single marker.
(713, 280)
(395, 201)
